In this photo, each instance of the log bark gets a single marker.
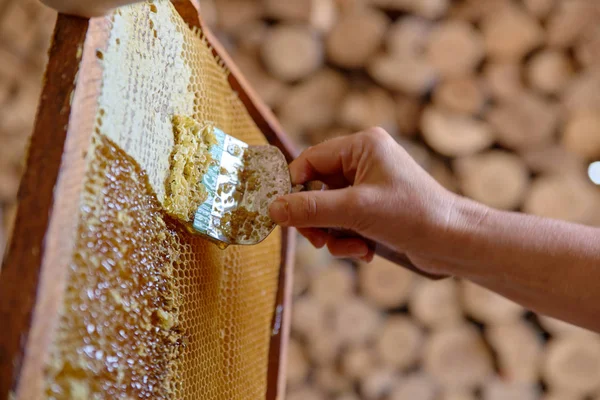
(496, 178)
(453, 134)
(408, 115)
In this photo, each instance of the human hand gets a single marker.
(377, 191)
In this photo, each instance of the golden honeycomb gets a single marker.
(149, 310)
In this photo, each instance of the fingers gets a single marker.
(349, 248)
(317, 237)
(329, 160)
(316, 209)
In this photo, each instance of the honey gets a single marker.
(150, 311)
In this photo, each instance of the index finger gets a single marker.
(330, 162)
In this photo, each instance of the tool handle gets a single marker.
(380, 249)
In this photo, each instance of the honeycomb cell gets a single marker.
(149, 310)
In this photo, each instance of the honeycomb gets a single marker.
(149, 310)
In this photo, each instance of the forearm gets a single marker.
(550, 267)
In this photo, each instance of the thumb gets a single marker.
(317, 209)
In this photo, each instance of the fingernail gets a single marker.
(279, 211)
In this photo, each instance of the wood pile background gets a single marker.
(499, 100)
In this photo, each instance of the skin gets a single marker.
(378, 191)
(381, 193)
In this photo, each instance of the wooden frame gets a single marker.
(34, 271)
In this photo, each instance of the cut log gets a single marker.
(292, 52)
(503, 80)
(308, 317)
(511, 33)
(399, 343)
(323, 15)
(347, 396)
(524, 122)
(377, 384)
(384, 284)
(561, 395)
(462, 95)
(560, 328)
(488, 307)
(540, 8)
(298, 10)
(313, 103)
(324, 347)
(497, 178)
(572, 363)
(583, 93)
(362, 110)
(549, 72)
(320, 135)
(443, 175)
(250, 37)
(413, 76)
(333, 285)
(564, 197)
(306, 393)
(356, 37)
(270, 90)
(476, 10)
(553, 159)
(458, 395)
(453, 134)
(408, 115)
(408, 37)
(419, 153)
(519, 350)
(582, 135)
(436, 304)
(587, 49)
(500, 390)
(358, 361)
(457, 358)
(414, 386)
(454, 48)
(356, 322)
(431, 9)
(568, 21)
(331, 380)
(235, 13)
(297, 365)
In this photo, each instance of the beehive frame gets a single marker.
(63, 128)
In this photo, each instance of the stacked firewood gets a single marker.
(25, 30)
(499, 101)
